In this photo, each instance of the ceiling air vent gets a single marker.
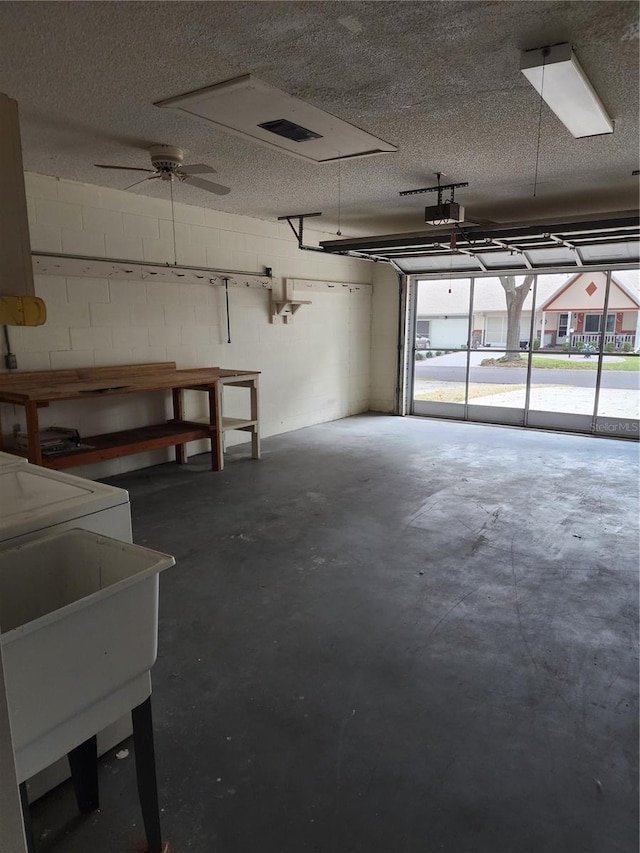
(289, 130)
(246, 107)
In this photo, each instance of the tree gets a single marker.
(515, 295)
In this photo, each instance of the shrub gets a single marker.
(610, 347)
(626, 346)
(580, 346)
(429, 354)
(420, 356)
(439, 352)
(536, 343)
(566, 346)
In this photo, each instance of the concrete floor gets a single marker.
(389, 636)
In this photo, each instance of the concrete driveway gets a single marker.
(552, 389)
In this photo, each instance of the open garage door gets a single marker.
(567, 358)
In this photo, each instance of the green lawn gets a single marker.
(579, 362)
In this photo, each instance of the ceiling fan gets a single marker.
(167, 165)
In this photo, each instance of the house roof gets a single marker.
(631, 289)
(450, 297)
(434, 298)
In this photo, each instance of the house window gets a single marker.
(592, 323)
(563, 322)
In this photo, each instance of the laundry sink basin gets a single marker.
(78, 628)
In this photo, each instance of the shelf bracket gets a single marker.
(286, 306)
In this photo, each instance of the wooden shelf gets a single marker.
(115, 444)
(238, 423)
(286, 307)
(280, 305)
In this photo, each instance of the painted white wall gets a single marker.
(315, 369)
(384, 338)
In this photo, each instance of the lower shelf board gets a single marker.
(229, 423)
(125, 443)
(238, 423)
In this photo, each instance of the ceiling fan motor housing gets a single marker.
(166, 158)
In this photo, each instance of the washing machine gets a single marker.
(35, 501)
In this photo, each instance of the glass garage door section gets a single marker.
(441, 352)
(564, 370)
(556, 351)
(618, 394)
(500, 345)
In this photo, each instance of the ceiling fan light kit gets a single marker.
(558, 78)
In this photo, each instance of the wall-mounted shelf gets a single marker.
(286, 306)
(289, 306)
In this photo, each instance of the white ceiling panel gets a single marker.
(256, 111)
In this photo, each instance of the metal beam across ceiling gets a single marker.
(563, 246)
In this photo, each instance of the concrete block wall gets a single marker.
(315, 369)
(384, 338)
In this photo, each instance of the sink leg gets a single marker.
(83, 762)
(26, 818)
(146, 774)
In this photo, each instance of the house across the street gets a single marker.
(569, 309)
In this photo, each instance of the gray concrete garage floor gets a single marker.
(389, 636)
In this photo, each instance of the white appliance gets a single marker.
(67, 602)
(9, 460)
(35, 501)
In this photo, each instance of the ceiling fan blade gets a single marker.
(141, 181)
(209, 186)
(197, 169)
(123, 168)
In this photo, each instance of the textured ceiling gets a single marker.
(439, 79)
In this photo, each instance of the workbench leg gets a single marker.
(178, 415)
(33, 433)
(146, 774)
(83, 763)
(255, 416)
(215, 421)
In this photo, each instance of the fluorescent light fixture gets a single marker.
(566, 89)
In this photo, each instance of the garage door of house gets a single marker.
(449, 332)
(588, 382)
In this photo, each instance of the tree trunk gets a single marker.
(515, 296)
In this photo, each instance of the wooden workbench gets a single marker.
(36, 389)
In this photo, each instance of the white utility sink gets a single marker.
(78, 628)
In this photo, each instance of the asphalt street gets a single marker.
(518, 375)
